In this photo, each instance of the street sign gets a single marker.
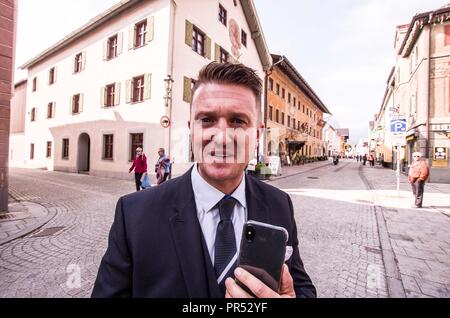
(165, 121)
(398, 128)
(398, 125)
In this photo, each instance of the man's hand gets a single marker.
(258, 287)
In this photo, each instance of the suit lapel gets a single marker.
(187, 236)
(256, 207)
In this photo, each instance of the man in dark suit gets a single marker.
(181, 239)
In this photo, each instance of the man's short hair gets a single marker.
(229, 73)
(417, 154)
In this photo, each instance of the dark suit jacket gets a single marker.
(156, 246)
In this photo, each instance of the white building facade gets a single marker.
(124, 80)
(332, 141)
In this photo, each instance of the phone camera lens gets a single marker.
(250, 233)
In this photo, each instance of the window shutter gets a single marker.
(216, 52)
(105, 49)
(103, 96)
(128, 89)
(71, 105)
(54, 74)
(37, 82)
(150, 29)
(131, 37)
(187, 89)
(83, 60)
(119, 43)
(147, 86)
(117, 94)
(208, 47)
(81, 102)
(188, 33)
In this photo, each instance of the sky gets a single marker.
(343, 48)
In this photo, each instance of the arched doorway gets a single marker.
(84, 153)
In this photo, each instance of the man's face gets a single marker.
(417, 158)
(224, 129)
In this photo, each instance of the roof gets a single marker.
(247, 6)
(24, 81)
(343, 132)
(417, 24)
(287, 68)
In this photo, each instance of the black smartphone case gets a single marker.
(263, 256)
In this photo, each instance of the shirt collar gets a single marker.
(207, 196)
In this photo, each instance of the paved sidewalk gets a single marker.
(420, 238)
(22, 218)
(289, 171)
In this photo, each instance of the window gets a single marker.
(78, 63)
(289, 121)
(108, 141)
(33, 114)
(31, 151)
(137, 140)
(140, 34)
(65, 148)
(447, 35)
(283, 93)
(50, 110)
(244, 38)
(295, 101)
(270, 112)
(282, 118)
(138, 89)
(51, 76)
(271, 84)
(34, 84)
(222, 15)
(289, 97)
(277, 116)
(223, 56)
(112, 47)
(293, 123)
(49, 149)
(198, 41)
(278, 89)
(299, 105)
(299, 127)
(110, 92)
(76, 104)
(303, 109)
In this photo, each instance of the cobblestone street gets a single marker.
(338, 211)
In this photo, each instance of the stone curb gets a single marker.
(37, 225)
(393, 278)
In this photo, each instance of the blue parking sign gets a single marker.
(398, 125)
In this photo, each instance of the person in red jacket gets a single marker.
(139, 166)
(417, 176)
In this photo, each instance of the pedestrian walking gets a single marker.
(417, 176)
(162, 167)
(372, 160)
(139, 166)
(364, 159)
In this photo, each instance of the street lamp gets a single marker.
(168, 97)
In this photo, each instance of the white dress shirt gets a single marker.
(206, 198)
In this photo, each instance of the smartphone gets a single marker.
(263, 247)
